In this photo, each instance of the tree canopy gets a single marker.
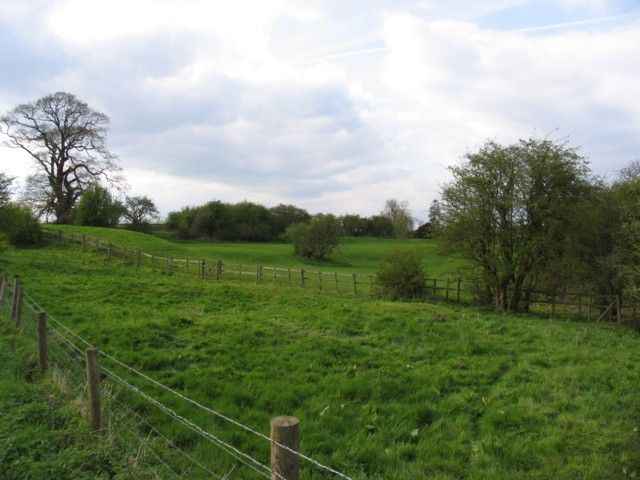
(66, 140)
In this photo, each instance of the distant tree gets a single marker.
(66, 140)
(248, 221)
(380, 226)
(140, 211)
(316, 239)
(6, 188)
(629, 173)
(283, 215)
(354, 225)
(400, 216)
(98, 208)
(18, 226)
(508, 210)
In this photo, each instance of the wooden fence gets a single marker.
(584, 305)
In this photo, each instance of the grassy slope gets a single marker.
(42, 434)
(354, 254)
(382, 389)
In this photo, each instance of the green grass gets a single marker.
(354, 255)
(383, 390)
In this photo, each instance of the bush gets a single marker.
(18, 225)
(316, 239)
(401, 276)
(97, 208)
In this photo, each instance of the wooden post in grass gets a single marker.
(285, 462)
(202, 267)
(289, 276)
(458, 291)
(18, 306)
(3, 289)
(435, 288)
(43, 361)
(302, 277)
(335, 277)
(355, 284)
(618, 312)
(446, 295)
(14, 298)
(137, 259)
(218, 269)
(93, 388)
(258, 274)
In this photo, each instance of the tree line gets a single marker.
(525, 216)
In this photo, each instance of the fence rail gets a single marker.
(585, 305)
(112, 385)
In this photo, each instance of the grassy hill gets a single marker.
(383, 390)
(354, 255)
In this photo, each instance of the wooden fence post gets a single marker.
(618, 312)
(458, 291)
(258, 274)
(19, 300)
(335, 275)
(285, 462)
(446, 295)
(3, 289)
(579, 306)
(218, 269)
(435, 288)
(137, 259)
(202, 267)
(289, 275)
(14, 297)
(355, 284)
(93, 388)
(43, 361)
(302, 277)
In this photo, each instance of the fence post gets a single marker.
(19, 300)
(258, 274)
(202, 267)
(335, 276)
(446, 295)
(43, 361)
(302, 277)
(3, 289)
(458, 291)
(579, 306)
(319, 279)
(285, 462)
(14, 297)
(355, 284)
(93, 388)
(618, 312)
(289, 275)
(218, 269)
(435, 289)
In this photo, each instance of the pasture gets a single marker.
(383, 390)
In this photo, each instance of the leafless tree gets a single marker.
(66, 140)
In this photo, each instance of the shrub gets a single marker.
(401, 275)
(97, 208)
(316, 239)
(18, 225)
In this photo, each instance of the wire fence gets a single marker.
(584, 305)
(152, 423)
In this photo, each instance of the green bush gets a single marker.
(97, 208)
(316, 239)
(401, 276)
(18, 225)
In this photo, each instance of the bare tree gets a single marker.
(66, 140)
(140, 210)
(400, 216)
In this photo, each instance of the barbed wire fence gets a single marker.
(152, 423)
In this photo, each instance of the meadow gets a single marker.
(383, 390)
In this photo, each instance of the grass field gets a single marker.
(354, 255)
(383, 390)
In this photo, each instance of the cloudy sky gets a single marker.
(331, 105)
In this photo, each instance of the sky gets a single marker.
(334, 106)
